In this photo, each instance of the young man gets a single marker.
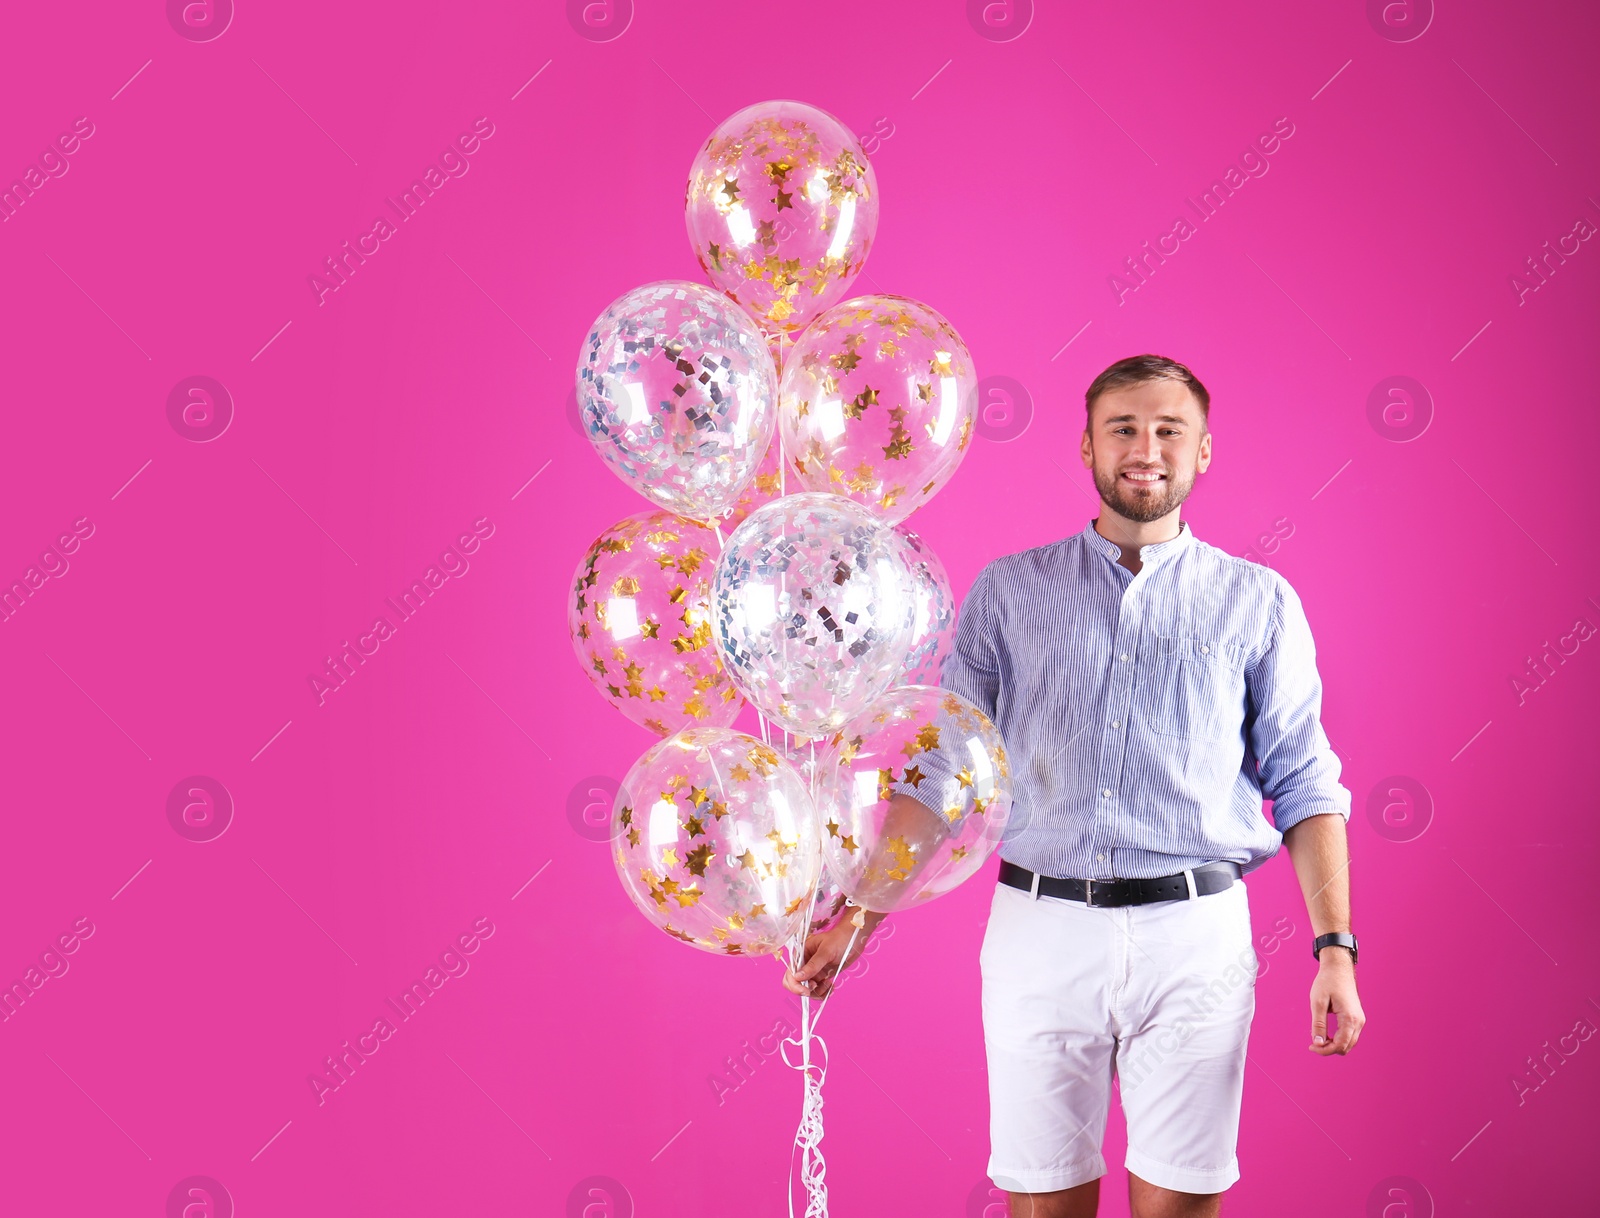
(1151, 690)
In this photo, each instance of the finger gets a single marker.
(818, 963)
(1349, 1032)
(1345, 1035)
(1319, 1025)
(826, 956)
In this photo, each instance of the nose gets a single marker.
(1147, 448)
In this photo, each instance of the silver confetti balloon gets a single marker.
(678, 392)
(813, 610)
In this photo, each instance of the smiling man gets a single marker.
(1152, 691)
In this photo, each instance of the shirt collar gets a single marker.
(1147, 554)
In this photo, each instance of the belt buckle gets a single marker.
(1088, 892)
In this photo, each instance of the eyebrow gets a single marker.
(1161, 418)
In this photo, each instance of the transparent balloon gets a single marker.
(677, 390)
(813, 608)
(782, 207)
(878, 401)
(913, 796)
(935, 628)
(715, 839)
(640, 618)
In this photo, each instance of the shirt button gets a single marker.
(1116, 723)
(1106, 792)
(1123, 656)
(1204, 650)
(1099, 858)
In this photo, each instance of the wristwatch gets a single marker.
(1338, 939)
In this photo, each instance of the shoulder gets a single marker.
(1242, 577)
(1033, 562)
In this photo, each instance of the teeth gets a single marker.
(1144, 477)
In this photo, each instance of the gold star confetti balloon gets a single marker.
(640, 617)
(678, 392)
(935, 627)
(878, 401)
(913, 796)
(766, 486)
(813, 609)
(715, 839)
(782, 207)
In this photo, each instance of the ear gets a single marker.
(1204, 457)
(1086, 448)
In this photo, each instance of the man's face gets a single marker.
(1144, 445)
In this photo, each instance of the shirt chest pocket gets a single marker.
(1191, 688)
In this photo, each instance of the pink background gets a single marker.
(425, 393)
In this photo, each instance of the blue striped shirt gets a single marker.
(1145, 716)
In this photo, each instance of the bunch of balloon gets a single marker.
(819, 607)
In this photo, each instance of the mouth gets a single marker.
(1142, 477)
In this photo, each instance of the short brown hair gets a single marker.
(1136, 370)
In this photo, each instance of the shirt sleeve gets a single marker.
(1299, 769)
(972, 670)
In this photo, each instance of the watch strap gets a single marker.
(1335, 939)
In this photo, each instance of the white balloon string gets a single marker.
(808, 1136)
(717, 525)
(783, 462)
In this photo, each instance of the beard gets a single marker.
(1141, 503)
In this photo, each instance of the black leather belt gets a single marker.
(1197, 882)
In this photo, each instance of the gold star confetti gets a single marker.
(885, 780)
(694, 827)
(669, 857)
(964, 776)
(904, 855)
(928, 737)
(849, 843)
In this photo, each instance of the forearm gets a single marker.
(1320, 851)
(903, 846)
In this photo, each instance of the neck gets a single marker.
(1132, 534)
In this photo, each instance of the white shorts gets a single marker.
(1159, 996)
